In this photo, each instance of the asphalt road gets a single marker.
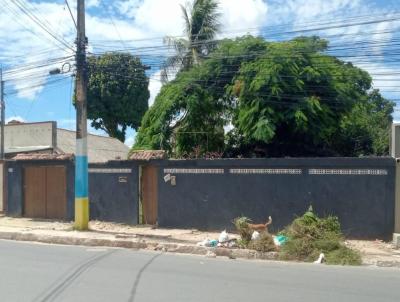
(37, 272)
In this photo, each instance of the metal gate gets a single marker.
(149, 194)
(45, 192)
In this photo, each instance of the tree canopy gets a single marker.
(117, 93)
(280, 99)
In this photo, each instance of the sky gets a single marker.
(32, 95)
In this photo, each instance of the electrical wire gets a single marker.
(21, 6)
(70, 12)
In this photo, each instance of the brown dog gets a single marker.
(261, 227)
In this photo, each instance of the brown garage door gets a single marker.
(45, 192)
(149, 194)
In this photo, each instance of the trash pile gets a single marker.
(308, 238)
(223, 241)
(252, 236)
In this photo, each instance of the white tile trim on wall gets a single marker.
(193, 171)
(109, 170)
(377, 172)
(265, 171)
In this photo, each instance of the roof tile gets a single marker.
(148, 154)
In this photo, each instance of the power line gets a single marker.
(37, 21)
(17, 18)
(70, 12)
(331, 24)
(113, 23)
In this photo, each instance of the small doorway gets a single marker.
(45, 192)
(149, 195)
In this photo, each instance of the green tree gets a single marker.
(282, 98)
(117, 93)
(201, 26)
(366, 129)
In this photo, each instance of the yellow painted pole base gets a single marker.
(81, 214)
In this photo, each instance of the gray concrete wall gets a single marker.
(361, 192)
(27, 135)
(114, 192)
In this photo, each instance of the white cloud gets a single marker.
(240, 16)
(154, 86)
(158, 18)
(130, 140)
(15, 118)
(26, 44)
(92, 3)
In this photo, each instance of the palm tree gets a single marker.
(201, 26)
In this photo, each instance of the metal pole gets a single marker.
(3, 107)
(81, 159)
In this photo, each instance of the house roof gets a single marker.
(42, 156)
(148, 154)
(25, 149)
(100, 148)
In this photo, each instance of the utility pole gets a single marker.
(3, 108)
(81, 158)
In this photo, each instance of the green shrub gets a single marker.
(309, 235)
(297, 249)
(242, 226)
(330, 224)
(343, 256)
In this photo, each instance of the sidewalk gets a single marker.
(375, 253)
(119, 235)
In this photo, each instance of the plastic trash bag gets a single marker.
(213, 243)
(205, 242)
(223, 237)
(320, 259)
(279, 240)
(255, 235)
(208, 243)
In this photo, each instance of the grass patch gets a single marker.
(309, 235)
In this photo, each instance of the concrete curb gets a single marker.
(148, 243)
(142, 244)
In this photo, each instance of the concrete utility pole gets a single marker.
(3, 108)
(81, 158)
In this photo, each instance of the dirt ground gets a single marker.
(376, 252)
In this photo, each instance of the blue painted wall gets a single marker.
(114, 192)
(363, 203)
(112, 196)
